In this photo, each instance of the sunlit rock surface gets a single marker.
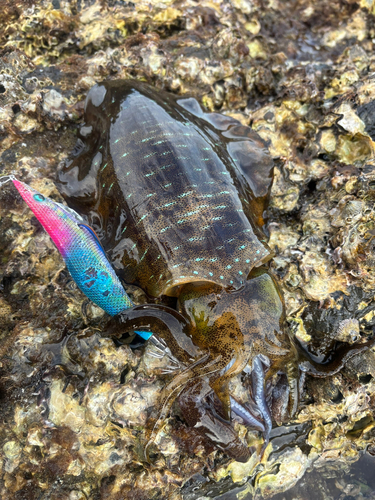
(73, 403)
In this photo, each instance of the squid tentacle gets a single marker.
(249, 419)
(259, 395)
(332, 366)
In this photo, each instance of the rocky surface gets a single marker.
(74, 403)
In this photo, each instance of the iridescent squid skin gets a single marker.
(177, 198)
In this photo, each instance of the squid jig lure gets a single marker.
(80, 248)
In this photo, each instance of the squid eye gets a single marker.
(39, 197)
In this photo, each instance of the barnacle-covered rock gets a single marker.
(75, 401)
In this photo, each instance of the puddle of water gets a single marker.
(320, 484)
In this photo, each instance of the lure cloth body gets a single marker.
(81, 250)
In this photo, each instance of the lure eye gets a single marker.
(39, 197)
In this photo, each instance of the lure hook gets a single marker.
(6, 178)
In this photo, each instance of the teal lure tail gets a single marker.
(81, 250)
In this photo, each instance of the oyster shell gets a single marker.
(302, 75)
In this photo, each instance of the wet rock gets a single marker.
(75, 401)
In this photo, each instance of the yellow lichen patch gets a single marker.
(353, 149)
(167, 15)
(290, 468)
(257, 50)
(342, 84)
(318, 169)
(278, 144)
(298, 329)
(315, 438)
(253, 26)
(238, 470)
(369, 316)
(26, 124)
(328, 141)
(245, 6)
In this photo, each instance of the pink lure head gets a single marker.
(56, 219)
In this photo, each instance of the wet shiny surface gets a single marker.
(356, 482)
(176, 195)
(203, 53)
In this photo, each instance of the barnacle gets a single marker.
(301, 75)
